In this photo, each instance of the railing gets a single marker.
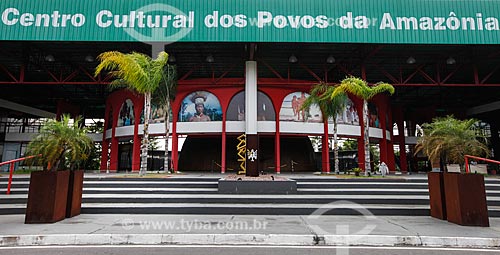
(11, 169)
(467, 170)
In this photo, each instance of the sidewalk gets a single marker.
(94, 229)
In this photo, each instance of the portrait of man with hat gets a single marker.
(199, 99)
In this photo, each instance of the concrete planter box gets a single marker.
(47, 197)
(75, 188)
(466, 199)
(437, 200)
(257, 187)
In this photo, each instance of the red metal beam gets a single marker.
(271, 69)
(88, 74)
(71, 76)
(53, 83)
(387, 74)
(5, 70)
(22, 73)
(476, 74)
(189, 73)
(344, 69)
(373, 52)
(489, 75)
(452, 73)
(412, 74)
(426, 76)
(310, 72)
(53, 76)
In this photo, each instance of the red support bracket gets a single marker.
(271, 69)
(5, 70)
(451, 74)
(310, 72)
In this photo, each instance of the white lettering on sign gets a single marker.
(12, 16)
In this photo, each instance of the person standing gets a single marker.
(199, 116)
(384, 170)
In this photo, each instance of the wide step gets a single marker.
(193, 195)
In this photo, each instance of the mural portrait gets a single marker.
(236, 110)
(157, 114)
(349, 114)
(126, 117)
(200, 106)
(373, 120)
(291, 109)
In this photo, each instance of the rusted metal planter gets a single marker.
(47, 197)
(75, 188)
(437, 200)
(466, 199)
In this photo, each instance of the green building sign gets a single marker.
(339, 21)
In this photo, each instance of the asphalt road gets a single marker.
(239, 250)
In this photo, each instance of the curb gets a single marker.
(247, 239)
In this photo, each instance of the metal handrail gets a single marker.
(11, 168)
(478, 158)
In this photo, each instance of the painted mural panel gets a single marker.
(265, 109)
(236, 109)
(374, 119)
(126, 117)
(200, 106)
(291, 109)
(157, 114)
(349, 115)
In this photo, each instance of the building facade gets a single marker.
(244, 67)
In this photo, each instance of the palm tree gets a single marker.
(359, 88)
(140, 73)
(61, 144)
(162, 97)
(321, 95)
(448, 140)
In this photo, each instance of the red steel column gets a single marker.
(325, 149)
(136, 149)
(382, 109)
(113, 161)
(358, 103)
(175, 143)
(391, 164)
(277, 147)
(223, 157)
(105, 143)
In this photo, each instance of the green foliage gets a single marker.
(93, 162)
(322, 95)
(139, 72)
(350, 145)
(450, 139)
(60, 144)
(359, 88)
(134, 70)
(167, 88)
(356, 170)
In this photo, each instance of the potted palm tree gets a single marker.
(360, 88)
(321, 95)
(62, 146)
(144, 75)
(458, 197)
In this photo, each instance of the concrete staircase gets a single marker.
(198, 195)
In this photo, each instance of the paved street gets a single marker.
(240, 250)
